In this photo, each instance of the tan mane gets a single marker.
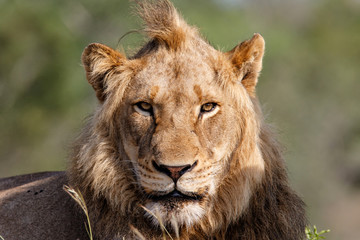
(164, 24)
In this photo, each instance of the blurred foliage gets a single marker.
(310, 84)
(313, 234)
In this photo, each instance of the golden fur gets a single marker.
(179, 131)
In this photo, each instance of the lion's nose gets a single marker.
(174, 172)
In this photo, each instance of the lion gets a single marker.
(177, 143)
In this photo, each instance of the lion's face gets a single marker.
(179, 132)
(182, 118)
(178, 128)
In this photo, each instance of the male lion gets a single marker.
(178, 142)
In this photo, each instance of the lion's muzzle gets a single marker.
(174, 172)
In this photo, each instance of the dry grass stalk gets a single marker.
(158, 218)
(78, 197)
(137, 232)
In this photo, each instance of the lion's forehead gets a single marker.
(177, 69)
(177, 84)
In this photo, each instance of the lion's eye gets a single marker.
(144, 108)
(208, 107)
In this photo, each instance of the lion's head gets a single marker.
(177, 130)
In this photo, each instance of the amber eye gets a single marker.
(208, 107)
(144, 108)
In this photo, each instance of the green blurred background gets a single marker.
(310, 85)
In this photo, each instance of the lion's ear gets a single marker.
(99, 60)
(247, 60)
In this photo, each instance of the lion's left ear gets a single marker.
(99, 60)
(247, 60)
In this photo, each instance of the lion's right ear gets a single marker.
(99, 60)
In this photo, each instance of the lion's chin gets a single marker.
(175, 212)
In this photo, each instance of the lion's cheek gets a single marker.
(135, 125)
(220, 134)
(131, 150)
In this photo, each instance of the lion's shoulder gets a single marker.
(38, 208)
(17, 181)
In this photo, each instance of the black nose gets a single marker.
(174, 172)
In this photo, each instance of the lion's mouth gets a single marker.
(176, 196)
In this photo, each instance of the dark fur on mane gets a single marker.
(275, 211)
